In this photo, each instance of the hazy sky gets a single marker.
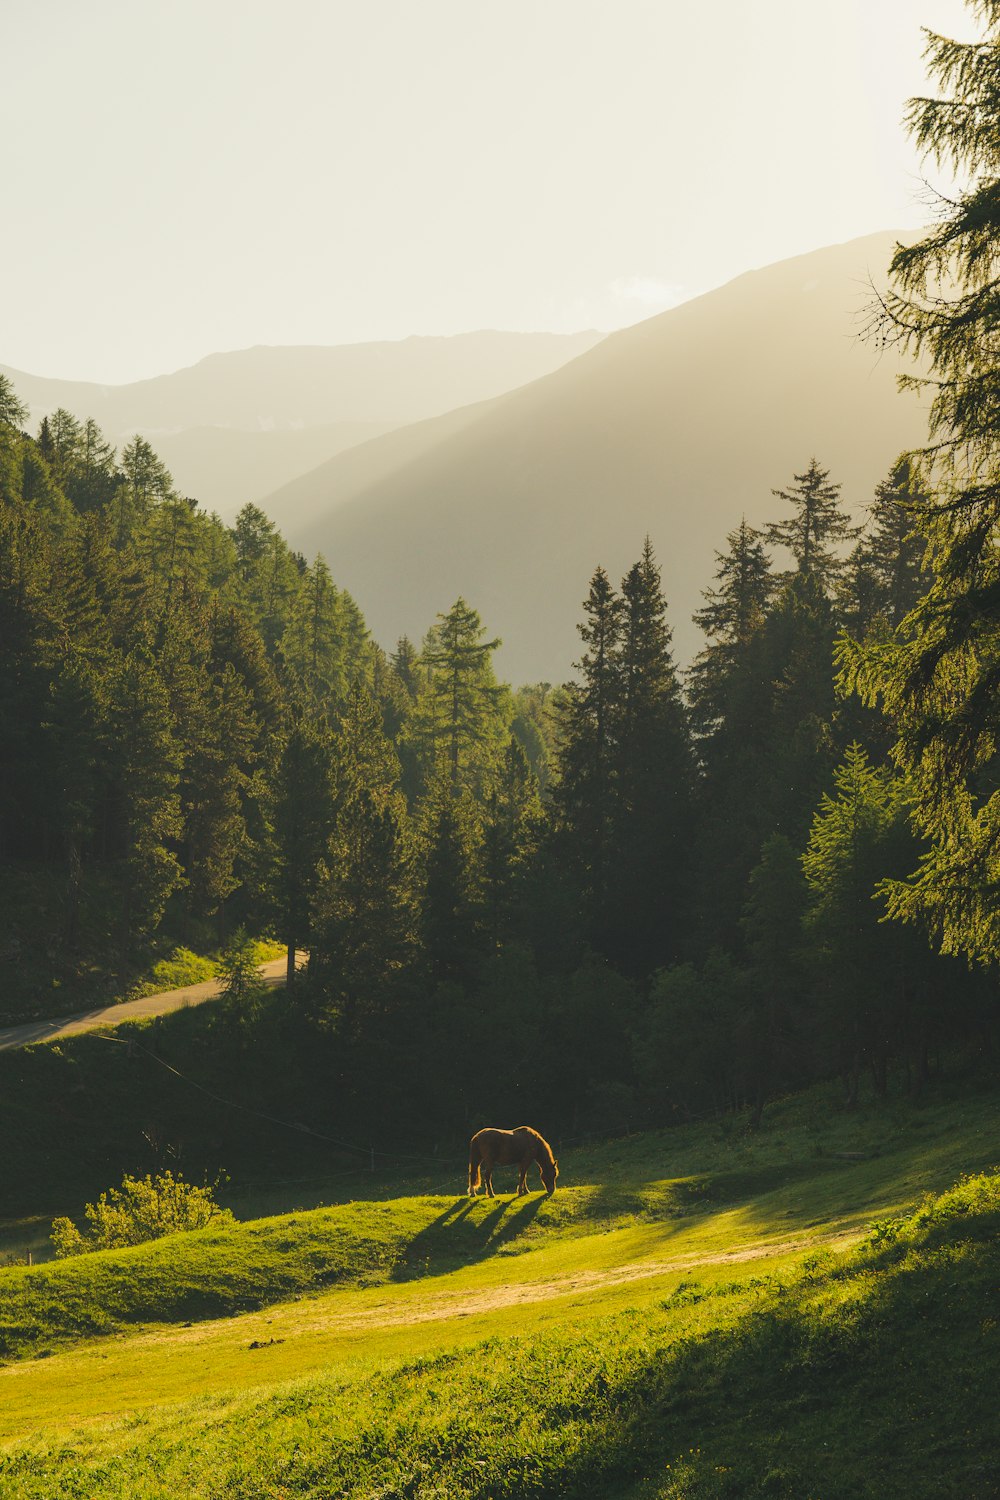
(183, 176)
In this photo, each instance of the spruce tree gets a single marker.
(938, 679)
(512, 827)
(653, 774)
(817, 530)
(449, 909)
(300, 807)
(363, 903)
(584, 790)
(884, 578)
(860, 839)
(773, 1024)
(732, 617)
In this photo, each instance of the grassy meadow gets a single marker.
(697, 1312)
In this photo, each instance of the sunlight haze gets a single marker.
(209, 177)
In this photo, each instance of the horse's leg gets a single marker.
(522, 1182)
(488, 1176)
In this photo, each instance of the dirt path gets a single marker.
(464, 1304)
(273, 973)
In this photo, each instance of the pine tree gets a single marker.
(512, 826)
(314, 645)
(300, 821)
(144, 762)
(145, 481)
(938, 678)
(584, 790)
(772, 1022)
(405, 660)
(459, 723)
(860, 838)
(65, 437)
(732, 617)
(818, 526)
(13, 411)
(653, 781)
(269, 577)
(884, 578)
(448, 919)
(363, 909)
(93, 479)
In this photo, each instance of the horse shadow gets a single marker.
(459, 1236)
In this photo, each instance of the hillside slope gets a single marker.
(631, 1322)
(236, 425)
(674, 427)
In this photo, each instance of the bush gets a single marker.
(143, 1208)
(239, 973)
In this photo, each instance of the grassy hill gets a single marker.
(697, 1312)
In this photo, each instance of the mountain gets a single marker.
(234, 426)
(674, 427)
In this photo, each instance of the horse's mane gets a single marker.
(546, 1148)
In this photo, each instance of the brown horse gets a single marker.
(490, 1148)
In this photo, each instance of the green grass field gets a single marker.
(698, 1312)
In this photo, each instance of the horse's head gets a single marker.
(549, 1171)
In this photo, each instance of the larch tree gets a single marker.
(13, 411)
(459, 723)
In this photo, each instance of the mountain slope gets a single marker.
(297, 406)
(675, 427)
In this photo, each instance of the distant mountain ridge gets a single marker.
(675, 426)
(300, 405)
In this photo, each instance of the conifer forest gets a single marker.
(309, 926)
(655, 893)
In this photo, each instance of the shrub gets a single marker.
(143, 1208)
(239, 972)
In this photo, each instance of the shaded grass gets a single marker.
(869, 1375)
(788, 1181)
(216, 1272)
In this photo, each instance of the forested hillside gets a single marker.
(633, 897)
(673, 427)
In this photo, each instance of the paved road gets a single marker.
(272, 973)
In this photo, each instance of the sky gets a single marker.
(187, 176)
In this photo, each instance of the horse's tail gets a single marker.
(474, 1160)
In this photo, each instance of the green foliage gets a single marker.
(625, 778)
(363, 897)
(241, 987)
(936, 677)
(150, 665)
(884, 577)
(142, 1209)
(460, 720)
(817, 527)
(13, 412)
(856, 1375)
